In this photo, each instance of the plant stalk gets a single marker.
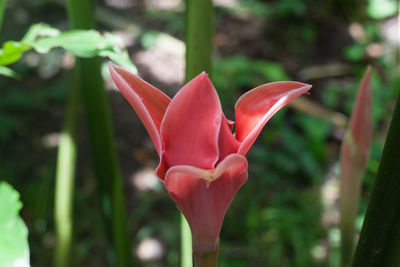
(199, 37)
(3, 5)
(379, 242)
(80, 13)
(186, 243)
(65, 177)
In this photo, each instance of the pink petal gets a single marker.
(257, 106)
(205, 195)
(149, 103)
(191, 124)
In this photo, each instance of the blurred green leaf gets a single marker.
(236, 72)
(254, 7)
(80, 42)
(12, 52)
(8, 72)
(271, 71)
(14, 249)
(379, 9)
(120, 58)
(149, 39)
(39, 30)
(291, 7)
(355, 52)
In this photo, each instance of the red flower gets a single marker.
(202, 162)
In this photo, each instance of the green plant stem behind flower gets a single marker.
(80, 13)
(3, 4)
(65, 176)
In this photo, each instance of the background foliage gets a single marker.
(286, 214)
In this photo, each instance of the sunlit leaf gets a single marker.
(14, 249)
(120, 58)
(149, 39)
(39, 30)
(12, 52)
(8, 72)
(379, 9)
(80, 42)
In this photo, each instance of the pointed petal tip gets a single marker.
(254, 108)
(202, 75)
(111, 65)
(193, 118)
(115, 69)
(149, 103)
(304, 86)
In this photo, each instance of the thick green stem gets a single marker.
(199, 37)
(186, 243)
(3, 4)
(199, 32)
(65, 176)
(348, 212)
(106, 167)
(379, 243)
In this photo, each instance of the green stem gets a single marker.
(65, 176)
(186, 243)
(199, 46)
(199, 37)
(379, 243)
(348, 213)
(3, 4)
(101, 138)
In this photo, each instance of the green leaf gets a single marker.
(8, 72)
(121, 59)
(82, 43)
(379, 9)
(14, 249)
(149, 39)
(12, 52)
(39, 30)
(271, 71)
(379, 242)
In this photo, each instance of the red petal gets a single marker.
(190, 127)
(149, 103)
(204, 196)
(257, 106)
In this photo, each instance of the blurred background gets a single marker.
(287, 212)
